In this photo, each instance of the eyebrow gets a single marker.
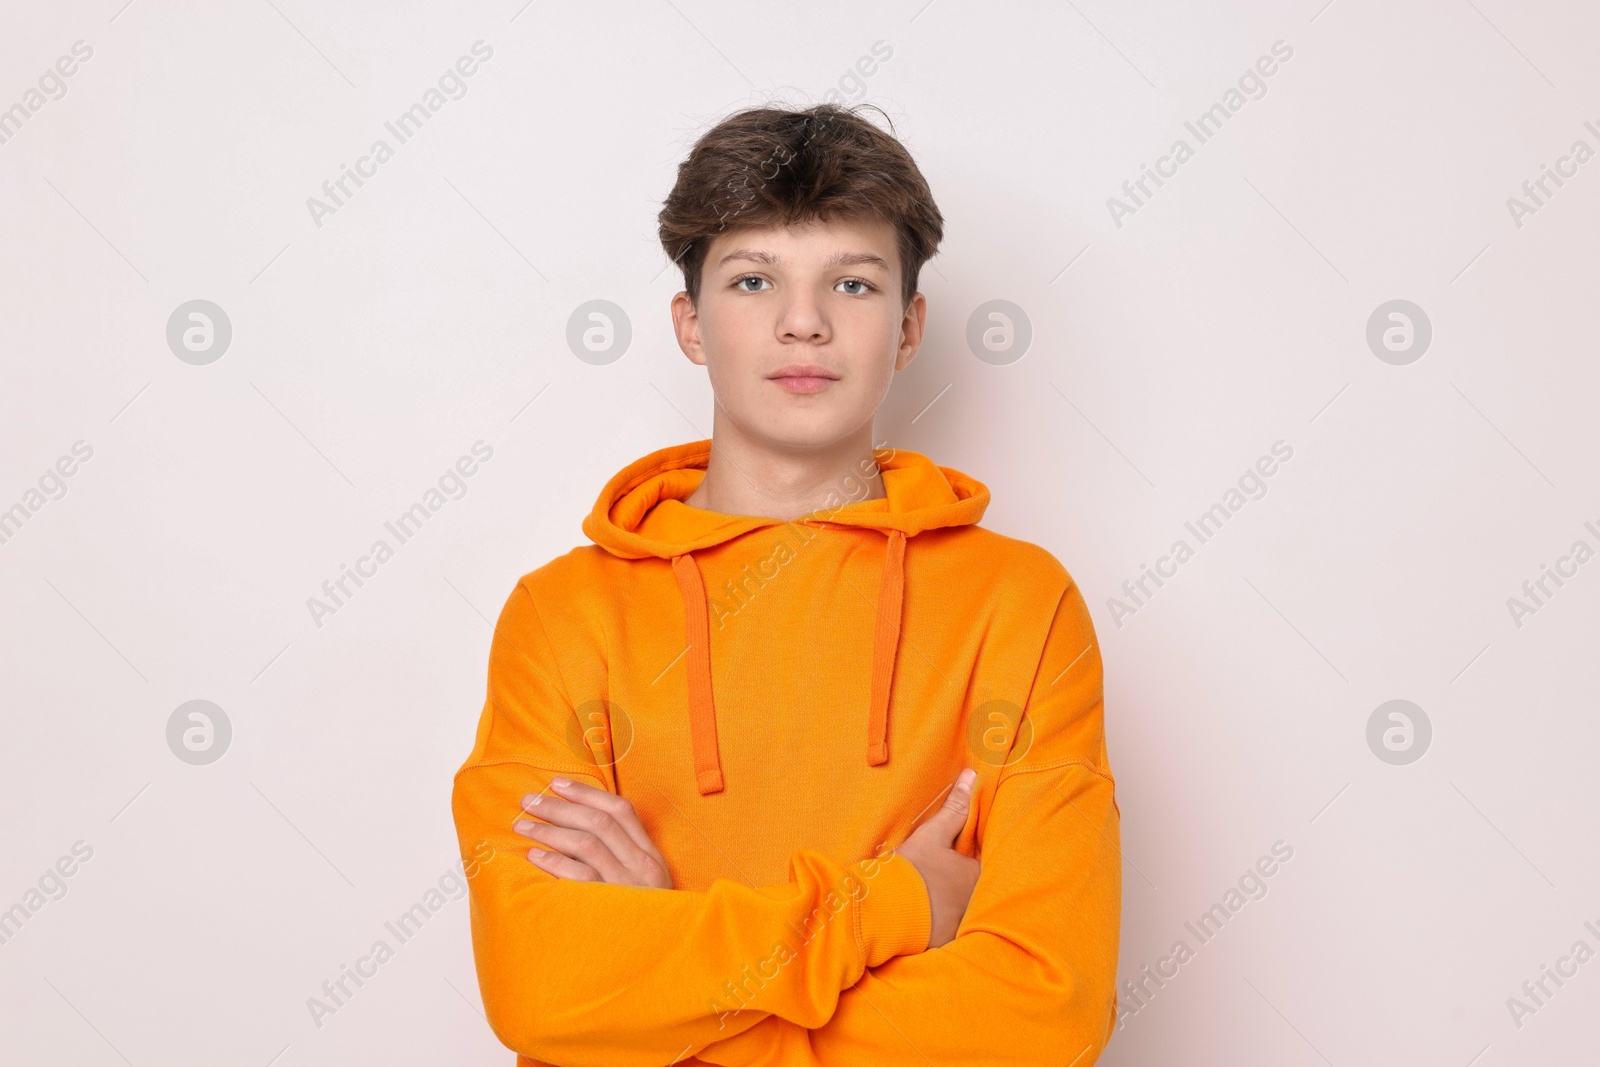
(838, 259)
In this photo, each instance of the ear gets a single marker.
(911, 327)
(686, 325)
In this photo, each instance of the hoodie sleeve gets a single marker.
(1030, 977)
(592, 974)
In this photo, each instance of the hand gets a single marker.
(949, 875)
(593, 836)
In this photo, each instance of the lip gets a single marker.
(803, 377)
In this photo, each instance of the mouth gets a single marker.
(803, 377)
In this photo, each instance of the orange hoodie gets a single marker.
(783, 703)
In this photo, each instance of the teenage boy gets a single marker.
(762, 732)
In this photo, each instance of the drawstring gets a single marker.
(884, 645)
(702, 713)
(697, 624)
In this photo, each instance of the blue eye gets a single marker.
(739, 282)
(865, 286)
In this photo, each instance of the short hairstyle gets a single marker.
(768, 166)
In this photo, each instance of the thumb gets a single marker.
(946, 823)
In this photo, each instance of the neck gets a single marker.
(747, 475)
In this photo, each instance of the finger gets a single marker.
(582, 845)
(549, 858)
(619, 808)
(562, 866)
(612, 851)
(948, 821)
(638, 852)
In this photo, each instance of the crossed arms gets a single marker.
(842, 964)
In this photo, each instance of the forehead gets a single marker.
(835, 241)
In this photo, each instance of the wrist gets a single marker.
(894, 917)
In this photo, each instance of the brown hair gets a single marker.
(769, 166)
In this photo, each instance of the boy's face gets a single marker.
(823, 296)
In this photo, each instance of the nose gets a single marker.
(803, 319)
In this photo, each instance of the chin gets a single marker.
(815, 431)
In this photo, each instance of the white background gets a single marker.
(369, 352)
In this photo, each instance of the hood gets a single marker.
(641, 514)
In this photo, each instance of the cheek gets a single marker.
(726, 382)
(881, 378)
(879, 342)
(729, 325)
(872, 359)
